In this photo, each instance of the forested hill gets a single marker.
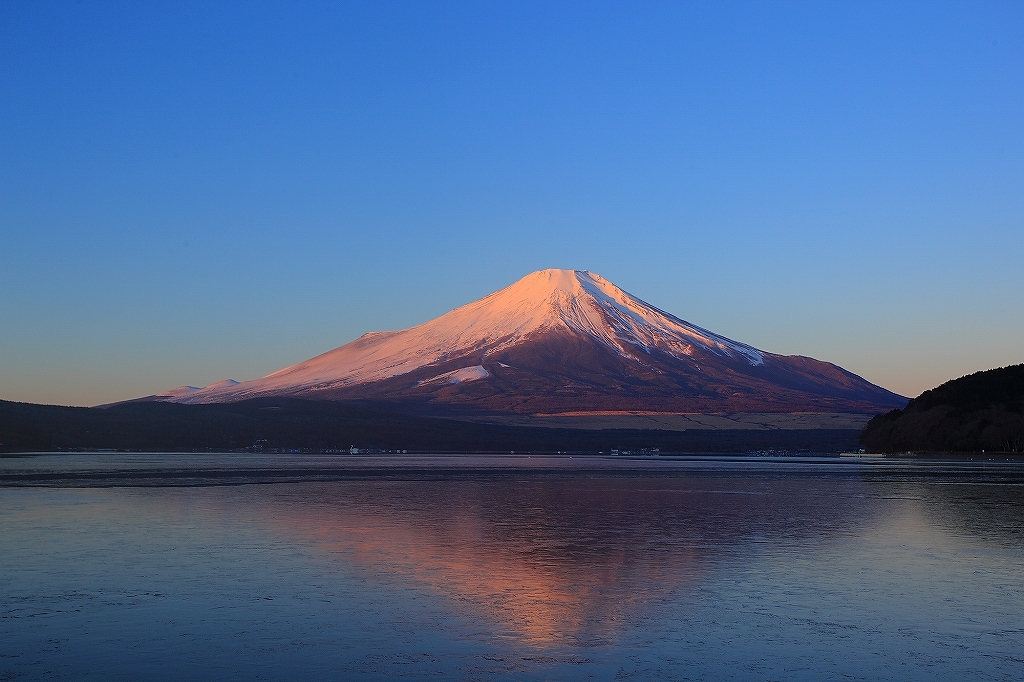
(982, 411)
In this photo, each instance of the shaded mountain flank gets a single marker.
(979, 412)
(291, 424)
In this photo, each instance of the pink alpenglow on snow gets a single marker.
(560, 339)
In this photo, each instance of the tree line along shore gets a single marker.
(982, 412)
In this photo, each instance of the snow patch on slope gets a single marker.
(459, 376)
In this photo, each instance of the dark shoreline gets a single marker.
(264, 425)
(176, 469)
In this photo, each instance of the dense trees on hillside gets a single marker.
(982, 411)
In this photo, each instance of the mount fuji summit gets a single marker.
(560, 342)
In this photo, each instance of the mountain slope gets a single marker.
(556, 341)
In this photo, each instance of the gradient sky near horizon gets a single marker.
(196, 191)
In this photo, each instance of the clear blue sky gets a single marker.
(189, 193)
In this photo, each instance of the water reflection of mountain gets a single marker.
(548, 561)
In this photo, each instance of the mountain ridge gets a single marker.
(560, 340)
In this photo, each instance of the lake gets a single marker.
(285, 567)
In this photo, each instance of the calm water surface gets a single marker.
(169, 567)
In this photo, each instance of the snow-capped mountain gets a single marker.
(560, 341)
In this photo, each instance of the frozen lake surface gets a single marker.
(282, 567)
